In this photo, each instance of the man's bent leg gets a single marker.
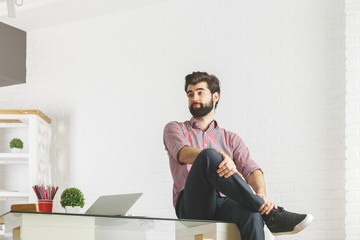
(199, 195)
(235, 187)
(250, 224)
(198, 200)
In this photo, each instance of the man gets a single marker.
(212, 170)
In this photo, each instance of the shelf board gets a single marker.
(13, 161)
(13, 195)
(13, 125)
(14, 155)
(26, 112)
(10, 121)
(14, 158)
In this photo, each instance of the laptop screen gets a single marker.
(114, 205)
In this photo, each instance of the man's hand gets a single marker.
(227, 167)
(267, 206)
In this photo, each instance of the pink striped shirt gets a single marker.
(178, 135)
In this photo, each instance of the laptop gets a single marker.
(115, 205)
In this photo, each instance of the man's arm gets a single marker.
(188, 154)
(257, 182)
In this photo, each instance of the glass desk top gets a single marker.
(106, 227)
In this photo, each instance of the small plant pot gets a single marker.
(16, 150)
(70, 209)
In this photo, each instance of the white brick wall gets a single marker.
(352, 163)
(110, 84)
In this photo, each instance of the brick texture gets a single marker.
(352, 163)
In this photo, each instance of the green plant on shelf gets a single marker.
(16, 143)
(72, 197)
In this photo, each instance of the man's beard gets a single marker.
(202, 110)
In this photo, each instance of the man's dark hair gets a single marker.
(196, 77)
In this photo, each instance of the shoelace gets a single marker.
(283, 216)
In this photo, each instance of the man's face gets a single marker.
(200, 99)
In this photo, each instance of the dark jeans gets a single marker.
(200, 198)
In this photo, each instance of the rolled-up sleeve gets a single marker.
(174, 139)
(242, 159)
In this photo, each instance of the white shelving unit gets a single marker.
(36, 159)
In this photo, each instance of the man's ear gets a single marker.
(216, 97)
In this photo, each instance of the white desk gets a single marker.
(61, 226)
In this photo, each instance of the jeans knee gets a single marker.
(211, 155)
(209, 151)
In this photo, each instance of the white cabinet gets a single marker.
(20, 171)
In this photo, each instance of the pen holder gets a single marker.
(45, 205)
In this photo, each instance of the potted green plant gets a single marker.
(16, 145)
(72, 199)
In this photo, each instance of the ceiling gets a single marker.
(37, 14)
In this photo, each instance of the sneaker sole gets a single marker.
(298, 228)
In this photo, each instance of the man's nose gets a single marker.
(196, 98)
